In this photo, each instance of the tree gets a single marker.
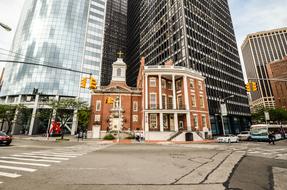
(276, 115)
(7, 114)
(83, 118)
(65, 109)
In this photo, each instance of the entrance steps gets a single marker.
(170, 136)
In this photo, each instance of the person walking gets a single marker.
(271, 138)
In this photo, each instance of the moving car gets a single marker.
(5, 139)
(244, 136)
(228, 139)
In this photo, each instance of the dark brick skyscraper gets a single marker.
(196, 34)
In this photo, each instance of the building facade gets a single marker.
(197, 35)
(167, 102)
(259, 49)
(278, 70)
(115, 39)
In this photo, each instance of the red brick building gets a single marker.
(167, 102)
(278, 70)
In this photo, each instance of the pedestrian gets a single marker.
(141, 137)
(137, 135)
(271, 138)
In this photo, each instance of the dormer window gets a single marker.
(119, 72)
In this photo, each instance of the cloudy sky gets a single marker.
(248, 16)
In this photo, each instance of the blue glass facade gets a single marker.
(62, 33)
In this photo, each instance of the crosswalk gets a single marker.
(14, 166)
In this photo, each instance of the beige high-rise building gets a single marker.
(259, 49)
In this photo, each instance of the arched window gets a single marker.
(119, 72)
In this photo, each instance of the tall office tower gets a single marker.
(196, 34)
(62, 33)
(115, 39)
(258, 50)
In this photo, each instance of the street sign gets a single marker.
(267, 116)
(223, 109)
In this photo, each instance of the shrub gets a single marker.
(109, 137)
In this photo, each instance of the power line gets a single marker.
(49, 66)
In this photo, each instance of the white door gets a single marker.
(115, 124)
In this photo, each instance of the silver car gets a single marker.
(228, 139)
(244, 136)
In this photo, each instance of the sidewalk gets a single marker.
(70, 138)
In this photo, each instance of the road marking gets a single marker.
(41, 157)
(32, 160)
(23, 163)
(59, 153)
(1, 182)
(9, 175)
(49, 155)
(18, 168)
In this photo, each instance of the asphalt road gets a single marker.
(34, 165)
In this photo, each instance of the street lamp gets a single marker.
(5, 27)
(223, 110)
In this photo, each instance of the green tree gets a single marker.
(83, 118)
(278, 115)
(65, 109)
(7, 114)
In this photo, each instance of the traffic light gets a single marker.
(109, 100)
(248, 87)
(254, 86)
(93, 83)
(84, 82)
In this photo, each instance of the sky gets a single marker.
(248, 16)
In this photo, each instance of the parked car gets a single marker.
(5, 139)
(244, 136)
(228, 139)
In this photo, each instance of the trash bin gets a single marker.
(188, 137)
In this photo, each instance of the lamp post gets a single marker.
(7, 28)
(223, 111)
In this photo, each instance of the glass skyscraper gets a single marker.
(197, 34)
(62, 33)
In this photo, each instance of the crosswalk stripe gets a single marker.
(23, 163)
(30, 159)
(60, 153)
(42, 157)
(1, 182)
(9, 175)
(18, 168)
(50, 155)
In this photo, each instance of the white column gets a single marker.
(16, 116)
(174, 92)
(160, 92)
(33, 115)
(146, 92)
(146, 121)
(161, 122)
(75, 122)
(6, 99)
(186, 94)
(188, 121)
(175, 122)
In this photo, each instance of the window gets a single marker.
(195, 121)
(204, 121)
(169, 85)
(153, 101)
(191, 84)
(170, 103)
(153, 121)
(135, 106)
(193, 101)
(201, 102)
(179, 101)
(152, 82)
(97, 118)
(98, 105)
(135, 118)
(163, 83)
(163, 101)
(178, 85)
(200, 85)
(119, 72)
